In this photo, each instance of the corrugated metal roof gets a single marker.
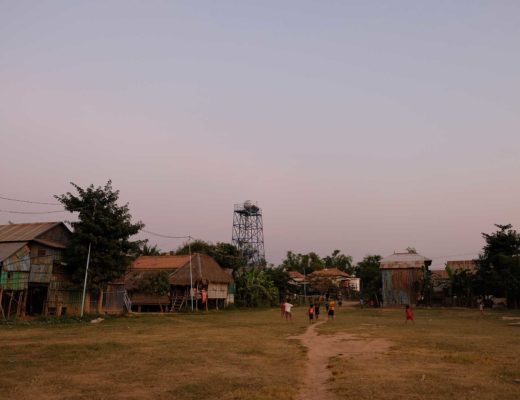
(24, 232)
(404, 260)
(404, 257)
(8, 249)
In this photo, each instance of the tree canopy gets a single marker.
(498, 266)
(371, 283)
(225, 254)
(107, 226)
(311, 262)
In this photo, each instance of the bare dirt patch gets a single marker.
(322, 348)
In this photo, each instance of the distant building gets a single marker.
(203, 273)
(31, 270)
(402, 274)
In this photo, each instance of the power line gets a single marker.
(33, 212)
(166, 236)
(29, 201)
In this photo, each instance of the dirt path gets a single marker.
(322, 348)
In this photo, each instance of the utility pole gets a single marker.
(191, 273)
(86, 268)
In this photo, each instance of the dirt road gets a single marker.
(321, 348)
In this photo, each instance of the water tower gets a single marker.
(248, 232)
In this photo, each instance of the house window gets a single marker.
(41, 252)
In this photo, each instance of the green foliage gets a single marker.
(255, 288)
(108, 227)
(146, 250)
(156, 284)
(340, 261)
(225, 254)
(461, 283)
(370, 275)
(498, 266)
(280, 278)
(311, 262)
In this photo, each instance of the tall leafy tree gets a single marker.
(339, 260)
(225, 254)
(369, 273)
(107, 227)
(148, 250)
(498, 266)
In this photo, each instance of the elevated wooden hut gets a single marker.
(206, 276)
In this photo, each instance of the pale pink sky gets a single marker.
(362, 126)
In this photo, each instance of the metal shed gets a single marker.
(402, 274)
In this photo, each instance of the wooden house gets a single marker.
(30, 255)
(200, 271)
(402, 274)
(205, 275)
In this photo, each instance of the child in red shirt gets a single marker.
(409, 314)
(311, 313)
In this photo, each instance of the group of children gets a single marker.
(314, 311)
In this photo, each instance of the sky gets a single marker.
(364, 126)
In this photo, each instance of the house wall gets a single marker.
(400, 286)
(218, 290)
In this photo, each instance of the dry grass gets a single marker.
(247, 355)
(447, 354)
(226, 355)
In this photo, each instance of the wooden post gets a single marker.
(19, 304)
(99, 308)
(1, 307)
(24, 302)
(10, 302)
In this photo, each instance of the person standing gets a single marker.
(409, 314)
(330, 313)
(312, 311)
(288, 306)
(282, 309)
(317, 310)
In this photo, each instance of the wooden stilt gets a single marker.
(24, 303)
(19, 304)
(1, 306)
(10, 302)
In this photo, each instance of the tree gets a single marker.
(280, 278)
(370, 275)
(107, 227)
(303, 262)
(340, 261)
(255, 288)
(498, 266)
(146, 250)
(225, 254)
(156, 284)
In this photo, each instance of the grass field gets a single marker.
(248, 355)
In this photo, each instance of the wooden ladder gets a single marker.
(177, 303)
(127, 301)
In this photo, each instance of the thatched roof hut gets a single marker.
(204, 270)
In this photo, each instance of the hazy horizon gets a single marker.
(361, 126)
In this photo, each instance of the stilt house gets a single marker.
(30, 262)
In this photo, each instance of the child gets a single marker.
(409, 314)
(330, 308)
(317, 310)
(288, 306)
(312, 310)
(282, 309)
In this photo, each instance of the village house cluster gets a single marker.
(34, 280)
